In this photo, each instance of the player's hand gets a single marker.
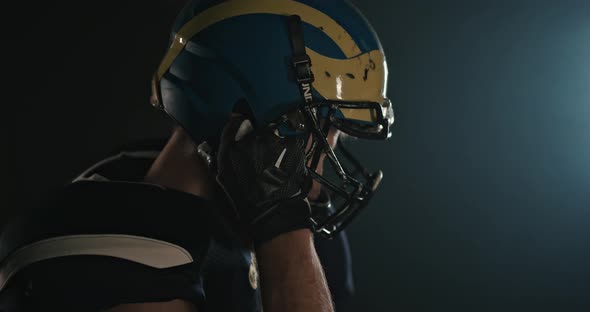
(265, 178)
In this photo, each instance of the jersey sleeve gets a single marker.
(99, 244)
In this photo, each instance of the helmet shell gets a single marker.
(225, 51)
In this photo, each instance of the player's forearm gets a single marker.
(291, 275)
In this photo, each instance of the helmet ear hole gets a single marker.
(243, 108)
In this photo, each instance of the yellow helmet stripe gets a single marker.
(234, 8)
(362, 78)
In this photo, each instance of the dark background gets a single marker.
(486, 202)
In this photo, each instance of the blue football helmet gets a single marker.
(300, 66)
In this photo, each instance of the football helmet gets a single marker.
(301, 67)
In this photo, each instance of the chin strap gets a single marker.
(301, 61)
(304, 78)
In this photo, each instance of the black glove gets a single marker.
(265, 178)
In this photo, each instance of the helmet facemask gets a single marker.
(350, 185)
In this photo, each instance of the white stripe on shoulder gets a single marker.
(147, 251)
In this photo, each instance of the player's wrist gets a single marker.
(286, 244)
(289, 216)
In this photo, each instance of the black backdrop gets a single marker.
(486, 202)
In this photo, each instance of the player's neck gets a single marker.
(179, 167)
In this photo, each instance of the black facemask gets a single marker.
(351, 186)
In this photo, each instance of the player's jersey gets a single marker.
(108, 239)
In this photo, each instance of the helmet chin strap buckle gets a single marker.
(303, 73)
(301, 61)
